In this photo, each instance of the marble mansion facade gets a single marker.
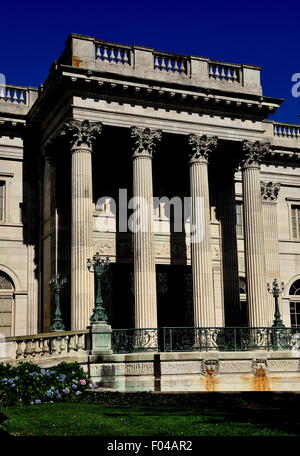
(111, 117)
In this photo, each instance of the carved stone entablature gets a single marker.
(210, 367)
(202, 147)
(81, 134)
(269, 191)
(145, 141)
(259, 364)
(254, 153)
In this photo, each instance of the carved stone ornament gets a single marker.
(269, 191)
(259, 364)
(145, 141)
(254, 153)
(202, 147)
(210, 366)
(81, 134)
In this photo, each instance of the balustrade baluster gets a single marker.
(112, 55)
(28, 349)
(45, 347)
(98, 53)
(156, 63)
(105, 54)
(211, 72)
(223, 75)
(163, 64)
(72, 343)
(8, 94)
(62, 345)
(20, 350)
(182, 68)
(170, 65)
(22, 98)
(119, 57)
(125, 59)
(234, 77)
(176, 68)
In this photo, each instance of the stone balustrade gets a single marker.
(114, 54)
(49, 344)
(285, 130)
(13, 94)
(142, 62)
(170, 63)
(224, 72)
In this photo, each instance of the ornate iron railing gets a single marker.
(204, 339)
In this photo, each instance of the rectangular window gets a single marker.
(295, 314)
(239, 219)
(2, 200)
(295, 211)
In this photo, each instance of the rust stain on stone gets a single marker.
(76, 61)
(210, 380)
(260, 380)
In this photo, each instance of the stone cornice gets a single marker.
(144, 141)
(81, 134)
(201, 147)
(253, 153)
(269, 191)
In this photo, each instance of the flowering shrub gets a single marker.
(28, 383)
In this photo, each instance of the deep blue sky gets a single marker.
(262, 33)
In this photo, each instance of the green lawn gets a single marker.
(66, 419)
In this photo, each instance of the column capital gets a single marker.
(254, 153)
(145, 141)
(269, 191)
(201, 147)
(81, 134)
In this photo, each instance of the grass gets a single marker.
(67, 419)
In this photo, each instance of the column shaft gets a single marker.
(143, 248)
(201, 256)
(254, 248)
(82, 290)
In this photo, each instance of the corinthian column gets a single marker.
(269, 194)
(201, 258)
(254, 233)
(143, 237)
(82, 290)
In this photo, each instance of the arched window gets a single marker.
(294, 293)
(6, 304)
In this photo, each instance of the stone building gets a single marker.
(111, 117)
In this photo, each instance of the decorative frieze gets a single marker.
(269, 191)
(284, 365)
(181, 367)
(232, 367)
(142, 368)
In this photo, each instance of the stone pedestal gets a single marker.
(201, 257)
(143, 237)
(100, 339)
(254, 234)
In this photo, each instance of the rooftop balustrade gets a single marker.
(103, 56)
